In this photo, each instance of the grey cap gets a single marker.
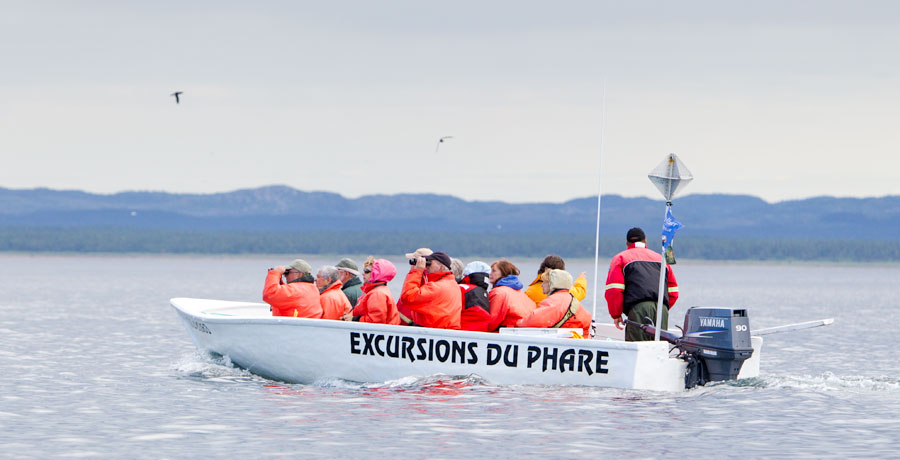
(301, 266)
(349, 266)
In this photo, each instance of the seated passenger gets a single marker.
(431, 293)
(405, 313)
(296, 296)
(560, 308)
(508, 303)
(349, 276)
(334, 303)
(535, 290)
(376, 304)
(457, 266)
(475, 309)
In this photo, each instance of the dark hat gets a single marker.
(634, 235)
(441, 257)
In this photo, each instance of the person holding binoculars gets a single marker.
(430, 292)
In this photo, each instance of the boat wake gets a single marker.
(199, 366)
(831, 382)
(824, 382)
(432, 383)
(215, 368)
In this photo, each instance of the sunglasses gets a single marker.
(368, 270)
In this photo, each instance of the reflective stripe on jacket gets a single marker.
(508, 306)
(551, 311)
(334, 303)
(437, 303)
(376, 305)
(535, 291)
(634, 277)
(299, 299)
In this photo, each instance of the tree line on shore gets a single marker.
(168, 241)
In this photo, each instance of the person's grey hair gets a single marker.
(457, 266)
(329, 273)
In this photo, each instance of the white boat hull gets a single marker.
(301, 350)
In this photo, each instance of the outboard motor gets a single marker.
(715, 343)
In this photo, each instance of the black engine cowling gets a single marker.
(715, 343)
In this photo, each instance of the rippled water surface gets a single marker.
(95, 363)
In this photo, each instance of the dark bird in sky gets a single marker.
(176, 94)
(441, 141)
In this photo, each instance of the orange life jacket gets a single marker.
(535, 291)
(376, 305)
(553, 308)
(437, 303)
(508, 306)
(299, 299)
(335, 303)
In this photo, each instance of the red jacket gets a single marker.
(634, 277)
(376, 305)
(476, 315)
(437, 303)
(299, 299)
(553, 308)
(508, 306)
(335, 303)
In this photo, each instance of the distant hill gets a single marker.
(281, 208)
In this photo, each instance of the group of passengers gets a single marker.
(438, 292)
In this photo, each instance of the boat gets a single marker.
(715, 344)
(303, 350)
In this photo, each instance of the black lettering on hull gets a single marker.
(465, 352)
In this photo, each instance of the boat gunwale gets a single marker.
(402, 329)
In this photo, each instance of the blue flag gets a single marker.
(670, 226)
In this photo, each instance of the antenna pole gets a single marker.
(662, 283)
(599, 195)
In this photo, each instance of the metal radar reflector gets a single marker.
(670, 176)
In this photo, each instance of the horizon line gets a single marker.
(351, 197)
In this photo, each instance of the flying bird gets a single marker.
(176, 94)
(441, 141)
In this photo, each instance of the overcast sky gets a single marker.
(777, 99)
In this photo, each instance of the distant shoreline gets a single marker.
(359, 257)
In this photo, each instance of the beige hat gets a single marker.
(560, 279)
(301, 266)
(421, 252)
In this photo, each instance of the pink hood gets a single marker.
(382, 270)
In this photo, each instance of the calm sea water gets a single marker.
(95, 363)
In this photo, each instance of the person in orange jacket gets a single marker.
(508, 304)
(405, 313)
(334, 302)
(432, 294)
(535, 291)
(296, 296)
(376, 304)
(560, 308)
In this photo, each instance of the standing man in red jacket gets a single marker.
(632, 286)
